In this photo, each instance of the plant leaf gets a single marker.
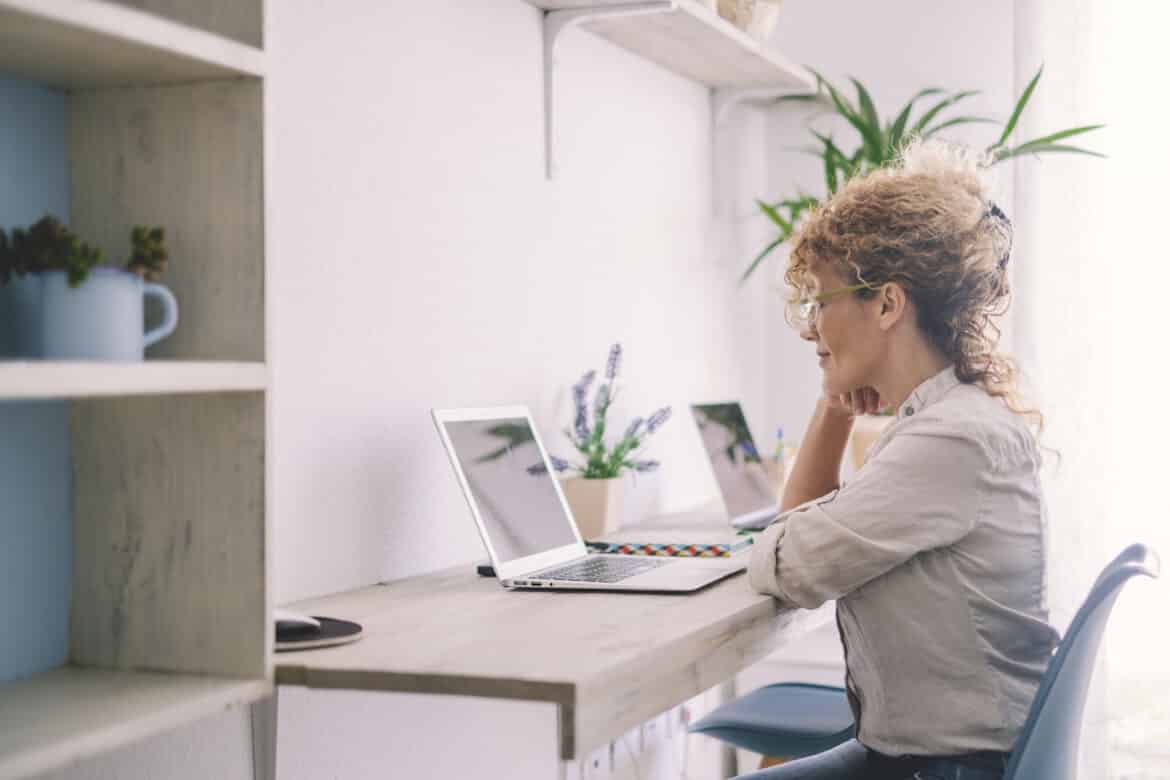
(1047, 139)
(894, 134)
(940, 106)
(871, 119)
(959, 120)
(1006, 154)
(784, 225)
(760, 258)
(1019, 109)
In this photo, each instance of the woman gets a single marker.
(935, 548)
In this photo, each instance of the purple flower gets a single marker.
(537, 468)
(601, 401)
(615, 359)
(635, 426)
(657, 419)
(581, 421)
(558, 464)
(642, 466)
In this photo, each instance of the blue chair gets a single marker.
(785, 719)
(1047, 747)
(793, 720)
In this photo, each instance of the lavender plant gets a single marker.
(600, 460)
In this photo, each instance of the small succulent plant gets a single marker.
(602, 461)
(48, 245)
(149, 256)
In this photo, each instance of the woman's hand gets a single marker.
(863, 400)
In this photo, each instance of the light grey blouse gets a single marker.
(935, 552)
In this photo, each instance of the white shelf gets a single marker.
(70, 714)
(693, 41)
(47, 380)
(94, 43)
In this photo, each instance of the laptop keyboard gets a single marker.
(601, 568)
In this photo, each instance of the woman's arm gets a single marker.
(818, 465)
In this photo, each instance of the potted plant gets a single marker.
(881, 142)
(595, 493)
(57, 301)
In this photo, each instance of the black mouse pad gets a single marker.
(332, 632)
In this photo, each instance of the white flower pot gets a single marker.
(596, 504)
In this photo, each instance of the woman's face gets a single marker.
(848, 341)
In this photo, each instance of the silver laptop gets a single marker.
(526, 524)
(747, 490)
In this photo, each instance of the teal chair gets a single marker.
(784, 719)
(793, 720)
(1047, 747)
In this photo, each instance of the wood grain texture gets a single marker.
(240, 20)
(188, 158)
(695, 42)
(169, 533)
(610, 660)
(67, 715)
(50, 379)
(80, 44)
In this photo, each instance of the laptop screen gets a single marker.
(512, 490)
(743, 481)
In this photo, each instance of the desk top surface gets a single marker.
(610, 660)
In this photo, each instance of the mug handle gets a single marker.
(170, 313)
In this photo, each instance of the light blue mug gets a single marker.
(20, 317)
(102, 318)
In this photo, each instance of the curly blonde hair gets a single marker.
(927, 223)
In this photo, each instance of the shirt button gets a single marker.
(909, 411)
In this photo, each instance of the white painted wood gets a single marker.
(45, 380)
(94, 43)
(264, 734)
(240, 20)
(693, 41)
(169, 531)
(69, 714)
(188, 158)
(609, 660)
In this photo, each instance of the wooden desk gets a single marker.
(609, 661)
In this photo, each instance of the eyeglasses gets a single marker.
(810, 308)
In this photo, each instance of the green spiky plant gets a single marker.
(882, 142)
(48, 245)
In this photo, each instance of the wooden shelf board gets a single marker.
(96, 43)
(46, 380)
(695, 42)
(70, 714)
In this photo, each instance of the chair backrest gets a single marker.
(1048, 744)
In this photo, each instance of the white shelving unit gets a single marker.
(95, 43)
(682, 36)
(170, 613)
(48, 380)
(70, 714)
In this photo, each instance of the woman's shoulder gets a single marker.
(969, 412)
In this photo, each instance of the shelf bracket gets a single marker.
(723, 101)
(556, 22)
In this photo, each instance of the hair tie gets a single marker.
(996, 213)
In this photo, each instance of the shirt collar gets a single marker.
(928, 392)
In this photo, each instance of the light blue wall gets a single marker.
(35, 523)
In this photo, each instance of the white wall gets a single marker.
(421, 259)
(894, 48)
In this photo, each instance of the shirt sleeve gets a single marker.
(919, 492)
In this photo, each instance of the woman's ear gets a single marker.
(894, 303)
